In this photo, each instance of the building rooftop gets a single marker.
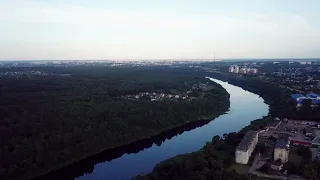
(300, 101)
(315, 101)
(312, 95)
(283, 141)
(247, 140)
(295, 96)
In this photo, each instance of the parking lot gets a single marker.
(292, 128)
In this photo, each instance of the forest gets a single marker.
(279, 100)
(48, 122)
(212, 162)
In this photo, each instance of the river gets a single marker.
(244, 107)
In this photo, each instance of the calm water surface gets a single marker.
(244, 107)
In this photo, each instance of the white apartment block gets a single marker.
(246, 147)
(281, 149)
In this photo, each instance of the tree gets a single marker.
(310, 171)
(306, 109)
(215, 139)
(305, 152)
(51, 120)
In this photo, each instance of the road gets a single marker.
(315, 153)
(257, 163)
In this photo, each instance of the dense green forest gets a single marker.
(212, 162)
(49, 121)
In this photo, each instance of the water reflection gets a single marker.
(139, 158)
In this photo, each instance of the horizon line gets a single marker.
(221, 59)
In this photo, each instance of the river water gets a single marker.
(140, 158)
(244, 107)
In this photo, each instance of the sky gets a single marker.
(158, 29)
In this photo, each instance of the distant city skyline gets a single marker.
(166, 29)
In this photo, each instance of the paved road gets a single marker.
(257, 163)
(315, 153)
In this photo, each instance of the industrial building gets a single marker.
(281, 149)
(313, 96)
(246, 147)
(300, 97)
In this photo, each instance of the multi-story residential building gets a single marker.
(254, 71)
(236, 69)
(281, 149)
(246, 147)
(243, 70)
(231, 69)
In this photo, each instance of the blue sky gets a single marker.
(166, 29)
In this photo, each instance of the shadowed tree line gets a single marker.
(279, 100)
(47, 122)
(212, 162)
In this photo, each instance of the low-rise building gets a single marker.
(246, 147)
(301, 143)
(281, 149)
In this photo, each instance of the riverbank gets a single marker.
(87, 162)
(145, 157)
(206, 162)
(277, 98)
(210, 162)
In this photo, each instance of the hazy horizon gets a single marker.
(159, 30)
(191, 60)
